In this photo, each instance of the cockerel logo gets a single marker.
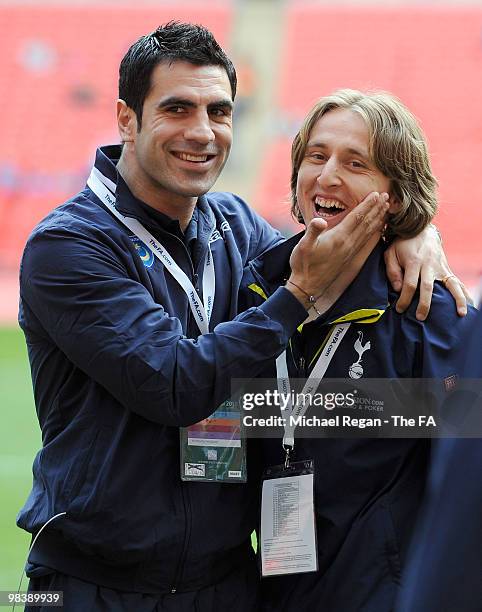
(356, 369)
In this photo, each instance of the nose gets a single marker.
(199, 129)
(329, 174)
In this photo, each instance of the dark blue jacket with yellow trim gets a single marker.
(117, 366)
(367, 491)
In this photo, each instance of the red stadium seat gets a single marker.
(58, 86)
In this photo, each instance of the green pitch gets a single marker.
(19, 441)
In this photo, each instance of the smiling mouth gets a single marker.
(328, 208)
(195, 158)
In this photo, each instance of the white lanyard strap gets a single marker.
(310, 386)
(104, 189)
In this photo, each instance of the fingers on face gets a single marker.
(361, 223)
(361, 217)
(370, 218)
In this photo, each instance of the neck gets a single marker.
(151, 193)
(343, 280)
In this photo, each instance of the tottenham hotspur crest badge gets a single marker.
(356, 369)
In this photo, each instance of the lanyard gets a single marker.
(310, 386)
(104, 189)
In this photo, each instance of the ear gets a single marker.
(126, 122)
(394, 205)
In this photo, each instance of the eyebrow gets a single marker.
(176, 101)
(322, 145)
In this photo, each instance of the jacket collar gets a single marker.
(364, 300)
(202, 221)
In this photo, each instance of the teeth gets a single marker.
(323, 203)
(193, 158)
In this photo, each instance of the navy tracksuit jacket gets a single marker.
(367, 491)
(117, 366)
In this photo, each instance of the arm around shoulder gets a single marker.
(441, 335)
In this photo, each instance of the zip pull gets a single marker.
(302, 367)
(195, 279)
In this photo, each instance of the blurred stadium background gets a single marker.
(58, 86)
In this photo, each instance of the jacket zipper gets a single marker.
(184, 491)
(302, 367)
(180, 565)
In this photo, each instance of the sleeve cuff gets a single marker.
(285, 309)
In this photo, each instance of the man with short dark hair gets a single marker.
(129, 308)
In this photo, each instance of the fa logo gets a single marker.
(356, 369)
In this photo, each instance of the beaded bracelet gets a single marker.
(311, 298)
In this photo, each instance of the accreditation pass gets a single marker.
(288, 536)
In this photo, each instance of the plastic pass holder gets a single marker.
(288, 530)
(214, 450)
